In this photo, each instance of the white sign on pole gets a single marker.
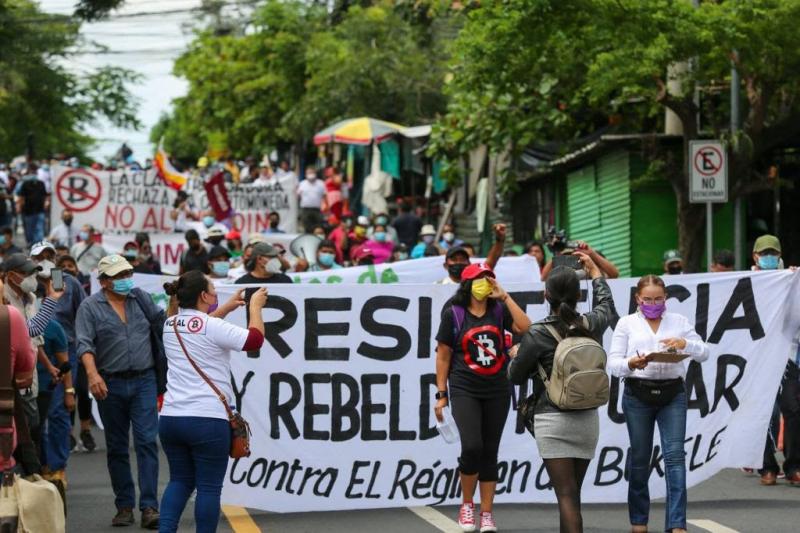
(708, 170)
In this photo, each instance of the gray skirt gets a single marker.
(567, 434)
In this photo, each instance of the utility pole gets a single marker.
(737, 202)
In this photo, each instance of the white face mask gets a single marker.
(29, 284)
(274, 266)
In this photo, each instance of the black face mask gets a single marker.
(273, 224)
(455, 270)
(674, 268)
(68, 221)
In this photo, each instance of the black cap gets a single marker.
(20, 263)
(265, 249)
(456, 250)
(218, 251)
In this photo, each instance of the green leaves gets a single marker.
(297, 71)
(39, 96)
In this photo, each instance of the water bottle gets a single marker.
(447, 427)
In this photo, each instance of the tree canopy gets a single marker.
(298, 67)
(40, 96)
(539, 70)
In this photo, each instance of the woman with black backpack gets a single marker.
(566, 430)
(471, 373)
(655, 393)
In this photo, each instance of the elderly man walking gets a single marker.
(114, 342)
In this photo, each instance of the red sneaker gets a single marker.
(466, 517)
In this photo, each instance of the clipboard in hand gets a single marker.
(666, 357)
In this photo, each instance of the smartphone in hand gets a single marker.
(57, 279)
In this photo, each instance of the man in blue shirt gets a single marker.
(114, 342)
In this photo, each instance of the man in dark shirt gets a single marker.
(408, 226)
(32, 198)
(113, 330)
(196, 257)
(7, 246)
(263, 266)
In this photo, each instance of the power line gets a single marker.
(138, 14)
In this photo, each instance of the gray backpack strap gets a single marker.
(558, 338)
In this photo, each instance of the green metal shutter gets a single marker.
(599, 207)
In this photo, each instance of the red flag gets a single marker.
(218, 196)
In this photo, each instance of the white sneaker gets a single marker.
(487, 523)
(466, 517)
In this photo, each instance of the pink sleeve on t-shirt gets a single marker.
(22, 360)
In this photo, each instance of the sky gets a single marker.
(147, 45)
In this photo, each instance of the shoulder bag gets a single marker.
(240, 429)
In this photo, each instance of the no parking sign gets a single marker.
(708, 170)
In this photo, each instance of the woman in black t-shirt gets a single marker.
(471, 362)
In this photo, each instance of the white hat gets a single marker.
(40, 247)
(362, 221)
(111, 265)
(428, 229)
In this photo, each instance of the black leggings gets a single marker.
(480, 423)
(566, 476)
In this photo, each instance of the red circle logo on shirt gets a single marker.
(195, 324)
(482, 350)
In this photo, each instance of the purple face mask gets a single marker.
(653, 311)
(212, 308)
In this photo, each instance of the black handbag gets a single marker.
(656, 393)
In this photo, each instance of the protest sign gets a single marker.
(127, 201)
(340, 397)
(427, 270)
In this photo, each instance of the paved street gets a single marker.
(730, 500)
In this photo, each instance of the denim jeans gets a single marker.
(34, 227)
(132, 402)
(55, 436)
(640, 419)
(197, 452)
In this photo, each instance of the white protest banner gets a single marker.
(425, 270)
(340, 397)
(127, 201)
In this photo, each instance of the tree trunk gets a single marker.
(691, 232)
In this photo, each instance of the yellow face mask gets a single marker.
(481, 288)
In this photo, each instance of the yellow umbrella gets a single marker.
(363, 131)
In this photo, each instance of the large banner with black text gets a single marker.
(127, 201)
(340, 397)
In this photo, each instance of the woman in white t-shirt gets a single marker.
(193, 426)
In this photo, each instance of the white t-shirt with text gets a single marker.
(209, 341)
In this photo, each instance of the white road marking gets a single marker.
(435, 518)
(713, 527)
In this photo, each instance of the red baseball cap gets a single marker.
(476, 270)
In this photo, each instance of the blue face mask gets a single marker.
(380, 236)
(84, 235)
(220, 268)
(2, 239)
(123, 286)
(326, 259)
(208, 221)
(768, 262)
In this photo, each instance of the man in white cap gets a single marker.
(115, 345)
(426, 236)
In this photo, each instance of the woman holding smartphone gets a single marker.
(655, 394)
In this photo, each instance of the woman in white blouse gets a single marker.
(655, 393)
